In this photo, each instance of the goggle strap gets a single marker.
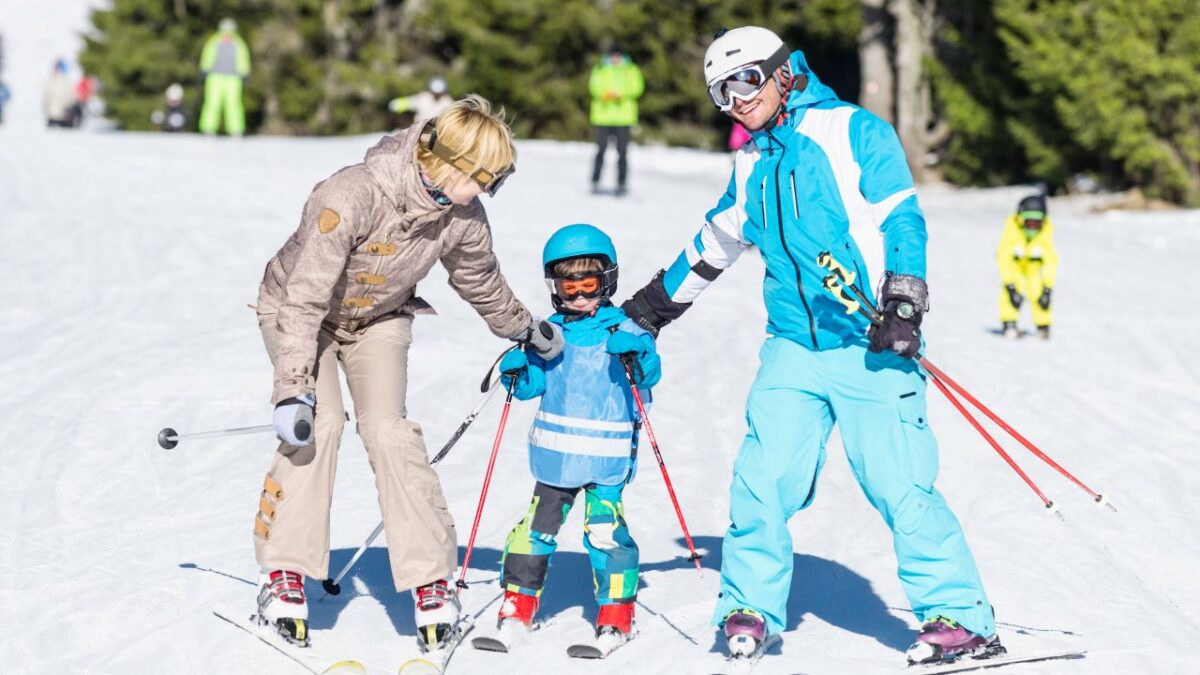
(774, 61)
(458, 160)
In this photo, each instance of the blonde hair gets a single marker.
(476, 133)
(565, 268)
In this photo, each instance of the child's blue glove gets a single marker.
(646, 365)
(514, 362)
(624, 342)
(517, 375)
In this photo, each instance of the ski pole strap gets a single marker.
(487, 378)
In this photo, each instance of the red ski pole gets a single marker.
(487, 479)
(996, 446)
(833, 283)
(939, 376)
(641, 408)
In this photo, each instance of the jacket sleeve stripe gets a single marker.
(882, 209)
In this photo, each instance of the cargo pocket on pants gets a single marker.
(920, 449)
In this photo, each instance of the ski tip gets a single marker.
(488, 644)
(345, 667)
(419, 667)
(585, 652)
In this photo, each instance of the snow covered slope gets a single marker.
(127, 261)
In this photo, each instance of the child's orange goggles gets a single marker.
(577, 286)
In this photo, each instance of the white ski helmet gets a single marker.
(739, 49)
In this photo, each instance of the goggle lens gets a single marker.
(493, 186)
(744, 84)
(578, 286)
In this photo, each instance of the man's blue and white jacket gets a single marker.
(583, 432)
(828, 176)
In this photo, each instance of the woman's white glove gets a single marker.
(543, 337)
(294, 420)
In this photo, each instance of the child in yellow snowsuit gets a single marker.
(1028, 264)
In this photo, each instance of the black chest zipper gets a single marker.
(812, 328)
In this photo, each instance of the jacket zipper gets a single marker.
(812, 327)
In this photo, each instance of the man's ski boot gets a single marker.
(1044, 332)
(437, 608)
(942, 640)
(745, 632)
(1009, 330)
(282, 605)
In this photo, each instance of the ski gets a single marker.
(964, 665)
(600, 647)
(508, 635)
(434, 662)
(302, 656)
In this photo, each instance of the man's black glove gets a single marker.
(1014, 297)
(905, 299)
(1044, 299)
(651, 307)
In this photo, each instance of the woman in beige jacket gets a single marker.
(341, 290)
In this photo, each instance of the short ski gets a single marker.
(505, 638)
(967, 664)
(600, 647)
(302, 656)
(434, 662)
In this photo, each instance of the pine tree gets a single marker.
(1123, 78)
(137, 48)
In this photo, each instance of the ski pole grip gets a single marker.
(839, 293)
(825, 259)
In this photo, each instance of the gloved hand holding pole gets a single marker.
(945, 384)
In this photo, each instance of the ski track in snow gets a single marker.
(127, 261)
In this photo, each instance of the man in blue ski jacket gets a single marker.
(583, 439)
(822, 175)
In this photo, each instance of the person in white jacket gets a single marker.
(58, 97)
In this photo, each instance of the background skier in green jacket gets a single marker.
(616, 84)
(225, 64)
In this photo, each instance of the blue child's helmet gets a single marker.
(581, 241)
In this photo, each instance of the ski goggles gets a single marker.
(587, 285)
(1032, 220)
(745, 82)
(490, 181)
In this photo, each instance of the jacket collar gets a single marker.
(392, 162)
(795, 105)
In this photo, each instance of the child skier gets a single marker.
(582, 437)
(1028, 264)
